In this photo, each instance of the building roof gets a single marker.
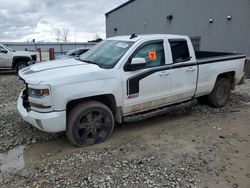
(122, 5)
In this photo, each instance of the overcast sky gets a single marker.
(24, 20)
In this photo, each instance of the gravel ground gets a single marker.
(14, 131)
(192, 148)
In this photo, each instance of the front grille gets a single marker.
(25, 97)
(34, 57)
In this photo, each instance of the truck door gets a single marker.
(183, 70)
(145, 87)
(5, 58)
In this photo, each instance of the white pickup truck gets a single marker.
(15, 60)
(124, 79)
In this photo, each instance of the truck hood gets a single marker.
(23, 53)
(59, 71)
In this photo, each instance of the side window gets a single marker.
(82, 51)
(76, 52)
(180, 51)
(153, 54)
(1, 48)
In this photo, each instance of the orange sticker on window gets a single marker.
(152, 56)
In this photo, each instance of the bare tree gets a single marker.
(62, 35)
(58, 35)
(65, 34)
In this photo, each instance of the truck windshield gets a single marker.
(7, 48)
(69, 53)
(107, 53)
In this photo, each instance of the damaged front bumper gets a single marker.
(51, 122)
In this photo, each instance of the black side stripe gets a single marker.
(176, 66)
(215, 60)
(133, 82)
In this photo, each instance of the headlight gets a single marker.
(38, 92)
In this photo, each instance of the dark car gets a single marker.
(73, 53)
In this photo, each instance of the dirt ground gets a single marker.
(197, 147)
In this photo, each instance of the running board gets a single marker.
(159, 111)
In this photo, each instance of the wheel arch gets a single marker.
(107, 99)
(18, 59)
(230, 76)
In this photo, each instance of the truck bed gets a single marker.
(204, 57)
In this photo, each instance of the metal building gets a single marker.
(216, 25)
(59, 47)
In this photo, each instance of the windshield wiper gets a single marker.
(90, 62)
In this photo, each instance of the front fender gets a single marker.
(63, 94)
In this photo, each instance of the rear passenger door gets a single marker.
(183, 71)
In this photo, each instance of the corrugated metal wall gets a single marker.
(189, 18)
(45, 46)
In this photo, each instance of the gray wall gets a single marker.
(45, 46)
(189, 18)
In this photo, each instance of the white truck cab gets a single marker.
(16, 60)
(124, 79)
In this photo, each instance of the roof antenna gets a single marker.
(133, 36)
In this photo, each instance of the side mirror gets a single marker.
(137, 63)
(4, 51)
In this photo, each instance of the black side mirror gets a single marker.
(4, 51)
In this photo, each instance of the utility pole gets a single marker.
(75, 35)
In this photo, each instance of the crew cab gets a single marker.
(15, 60)
(124, 79)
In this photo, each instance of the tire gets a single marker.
(89, 123)
(20, 66)
(220, 94)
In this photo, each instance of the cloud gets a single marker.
(28, 19)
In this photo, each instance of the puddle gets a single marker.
(13, 160)
(40, 154)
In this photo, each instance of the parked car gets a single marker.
(124, 79)
(16, 60)
(73, 53)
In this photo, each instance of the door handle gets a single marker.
(164, 73)
(190, 69)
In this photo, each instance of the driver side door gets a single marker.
(5, 59)
(147, 87)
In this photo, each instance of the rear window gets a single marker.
(179, 50)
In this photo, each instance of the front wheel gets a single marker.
(21, 65)
(89, 123)
(221, 93)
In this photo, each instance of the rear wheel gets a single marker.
(221, 93)
(21, 65)
(90, 123)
